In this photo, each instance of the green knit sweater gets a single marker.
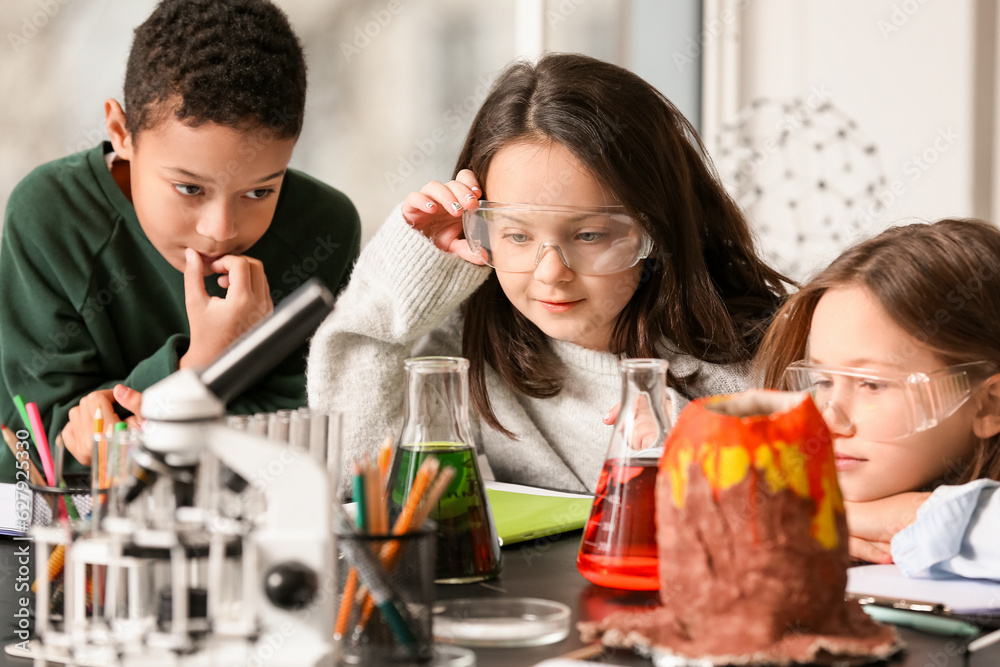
(87, 302)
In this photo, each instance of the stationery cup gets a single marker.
(45, 508)
(370, 633)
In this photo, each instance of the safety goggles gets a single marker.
(883, 407)
(590, 241)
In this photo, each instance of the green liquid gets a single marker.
(467, 546)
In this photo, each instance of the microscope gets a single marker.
(219, 550)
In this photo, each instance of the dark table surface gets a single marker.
(543, 568)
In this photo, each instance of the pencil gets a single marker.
(980, 643)
(394, 610)
(346, 604)
(361, 518)
(54, 567)
(391, 550)
(42, 442)
(23, 411)
(33, 474)
(384, 458)
(425, 476)
(440, 485)
(378, 519)
(351, 585)
(421, 482)
(102, 448)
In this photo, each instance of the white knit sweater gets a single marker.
(402, 301)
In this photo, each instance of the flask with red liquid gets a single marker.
(618, 549)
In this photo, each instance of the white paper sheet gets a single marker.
(962, 596)
(15, 510)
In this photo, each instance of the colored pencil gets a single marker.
(421, 482)
(55, 565)
(42, 442)
(361, 498)
(384, 458)
(394, 611)
(425, 504)
(425, 476)
(378, 518)
(351, 585)
(440, 485)
(102, 449)
(346, 604)
(23, 411)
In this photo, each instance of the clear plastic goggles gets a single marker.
(883, 407)
(590, 241)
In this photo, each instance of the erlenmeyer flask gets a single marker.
(618, 549)
(437, 424)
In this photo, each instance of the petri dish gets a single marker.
(452, 656)
(500, 622)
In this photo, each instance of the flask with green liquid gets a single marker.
(437, 424)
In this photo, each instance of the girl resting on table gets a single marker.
(614, 239)
(899, 342)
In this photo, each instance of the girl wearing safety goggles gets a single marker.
(897, 341)
(584, 224)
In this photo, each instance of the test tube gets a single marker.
(120, 447)
(260, 423)
(317, 434)
(239, 422)
(331, 440)
(298, 431)
(278, 425)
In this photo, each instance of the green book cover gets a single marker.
(524, 513)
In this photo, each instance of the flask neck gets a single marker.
(643, 418)
(437, 403)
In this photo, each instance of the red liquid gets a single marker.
(618, 549)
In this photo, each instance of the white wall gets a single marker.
(903, 71)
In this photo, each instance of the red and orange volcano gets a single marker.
(751, 540)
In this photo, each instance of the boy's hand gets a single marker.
(872, 524)
(216, 322)
(78, 434)
(436, 212)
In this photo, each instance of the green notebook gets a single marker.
(525, 513)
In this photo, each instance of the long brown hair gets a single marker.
(939, 282)
(704, 288)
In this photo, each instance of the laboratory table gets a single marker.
(543, 568)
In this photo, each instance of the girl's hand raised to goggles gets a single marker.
(436, 212)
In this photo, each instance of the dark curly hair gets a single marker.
(232, 62)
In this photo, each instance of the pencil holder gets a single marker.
(48, 502)
(371, 630)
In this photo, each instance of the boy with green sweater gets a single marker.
(156, 250)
